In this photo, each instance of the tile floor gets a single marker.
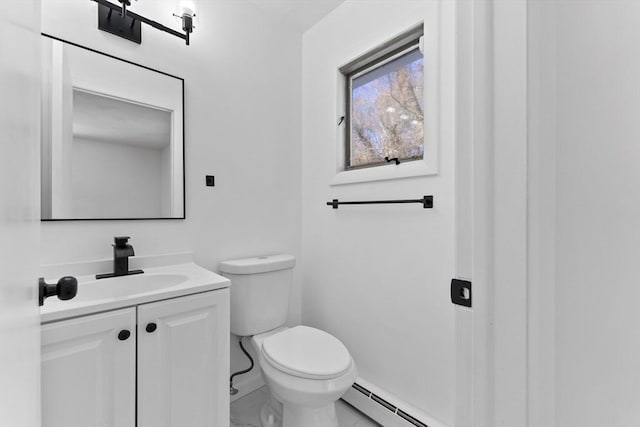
(244, 412)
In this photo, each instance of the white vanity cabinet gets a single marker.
(174, 365)
(88, 373)
(183, 345)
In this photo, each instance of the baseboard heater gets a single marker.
(380, 401)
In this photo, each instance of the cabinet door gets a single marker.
(183, 362)
(88, 372)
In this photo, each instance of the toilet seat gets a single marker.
(307, 352)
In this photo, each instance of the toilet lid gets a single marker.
(307, 352)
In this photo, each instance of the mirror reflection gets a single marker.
(112, 139)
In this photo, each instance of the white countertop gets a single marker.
(194, 279)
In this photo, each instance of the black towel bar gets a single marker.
(426, 202)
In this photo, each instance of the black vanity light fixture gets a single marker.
(118, 20)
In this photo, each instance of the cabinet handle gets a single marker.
(123, 335)
(151, 327)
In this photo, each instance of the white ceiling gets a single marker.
(299, 14)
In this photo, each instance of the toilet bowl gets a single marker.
(306, 371)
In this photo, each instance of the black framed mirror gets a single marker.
(112, 137)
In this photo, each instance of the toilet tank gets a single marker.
(260, 292)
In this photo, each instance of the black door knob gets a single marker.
(123, 335)
(151, 327)
(65, 289)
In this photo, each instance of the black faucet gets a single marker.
(121, 253)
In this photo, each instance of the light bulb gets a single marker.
(187, 7)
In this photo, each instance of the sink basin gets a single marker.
(157, 283)
(127, 286)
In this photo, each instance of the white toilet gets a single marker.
(306, 370)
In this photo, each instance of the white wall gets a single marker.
(593, 152)
(102, 169)
(242, 90)
(377, 277)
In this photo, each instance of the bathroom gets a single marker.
(530, 158)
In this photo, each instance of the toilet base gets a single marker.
(271, 413)
(300, 416)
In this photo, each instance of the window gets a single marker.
(385, 104)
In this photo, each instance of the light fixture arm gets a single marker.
(125, 13)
